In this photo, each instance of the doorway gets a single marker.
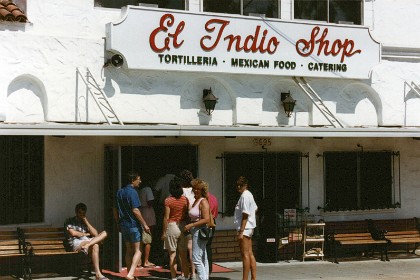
(151, 162)
(275, 180)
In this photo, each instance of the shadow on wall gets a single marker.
(357, 103)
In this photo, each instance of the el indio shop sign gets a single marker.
(165, 40)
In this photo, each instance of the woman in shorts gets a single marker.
(176, 209)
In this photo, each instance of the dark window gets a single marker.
(311, 9)
(268, 8)
(358, 180)
(334, 11)
(168, 4)
(21, 179)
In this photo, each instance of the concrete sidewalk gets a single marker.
(360, 269)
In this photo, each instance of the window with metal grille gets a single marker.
(360, 180)
(21, 179)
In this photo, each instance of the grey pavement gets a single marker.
(370, 269)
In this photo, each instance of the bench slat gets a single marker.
(42, 229)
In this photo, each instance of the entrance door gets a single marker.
(275, 182)
(151, 162)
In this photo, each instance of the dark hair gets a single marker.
(132, 176)
(242, 181)
(175, 187)
(80, 206)
(186, 177)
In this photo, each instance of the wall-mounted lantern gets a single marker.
(209, 100)
(288, 103)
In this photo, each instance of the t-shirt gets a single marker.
(148, 212)
(162, 185)
(188, 193)
(178, 208)
(214, 205)
(75, 224)
(126, 200)
(246, 204)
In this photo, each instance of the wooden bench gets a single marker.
(46, 250)
(13, 254)
(341, 235)
(398, 232)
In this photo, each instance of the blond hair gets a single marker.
(202, 186)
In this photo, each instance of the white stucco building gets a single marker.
(360, 162)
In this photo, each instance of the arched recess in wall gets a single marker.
(359, 105)
(193, 107)
(412, 112)
(273, 111)
(26, 100)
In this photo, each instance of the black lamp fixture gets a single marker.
(116, 60)
(288, 103)
(209, 100)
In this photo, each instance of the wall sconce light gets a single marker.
(116, 60)
(209, 100)
(288, 103)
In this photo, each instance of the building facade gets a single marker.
(93, 89)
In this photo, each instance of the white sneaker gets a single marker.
(180, 278)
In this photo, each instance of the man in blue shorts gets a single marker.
(129, 219)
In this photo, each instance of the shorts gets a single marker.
(249, 232)
(131, 235)
(173, 234)
(77, 242)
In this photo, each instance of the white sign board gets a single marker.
(156, 39)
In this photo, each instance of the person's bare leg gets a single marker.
(95, 261)
(252, 261)
(95, 240)
(135, 247)
(172, 263)
(244, 246)
(147, 248)
(189, 246)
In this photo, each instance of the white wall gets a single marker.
(42, 58)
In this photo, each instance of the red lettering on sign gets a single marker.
(251, 43)
(210, 27)
(257, 44)
(346, 48)
(167, 20)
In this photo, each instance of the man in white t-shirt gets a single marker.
(245, 222)
(149, 216)
(162, 186)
